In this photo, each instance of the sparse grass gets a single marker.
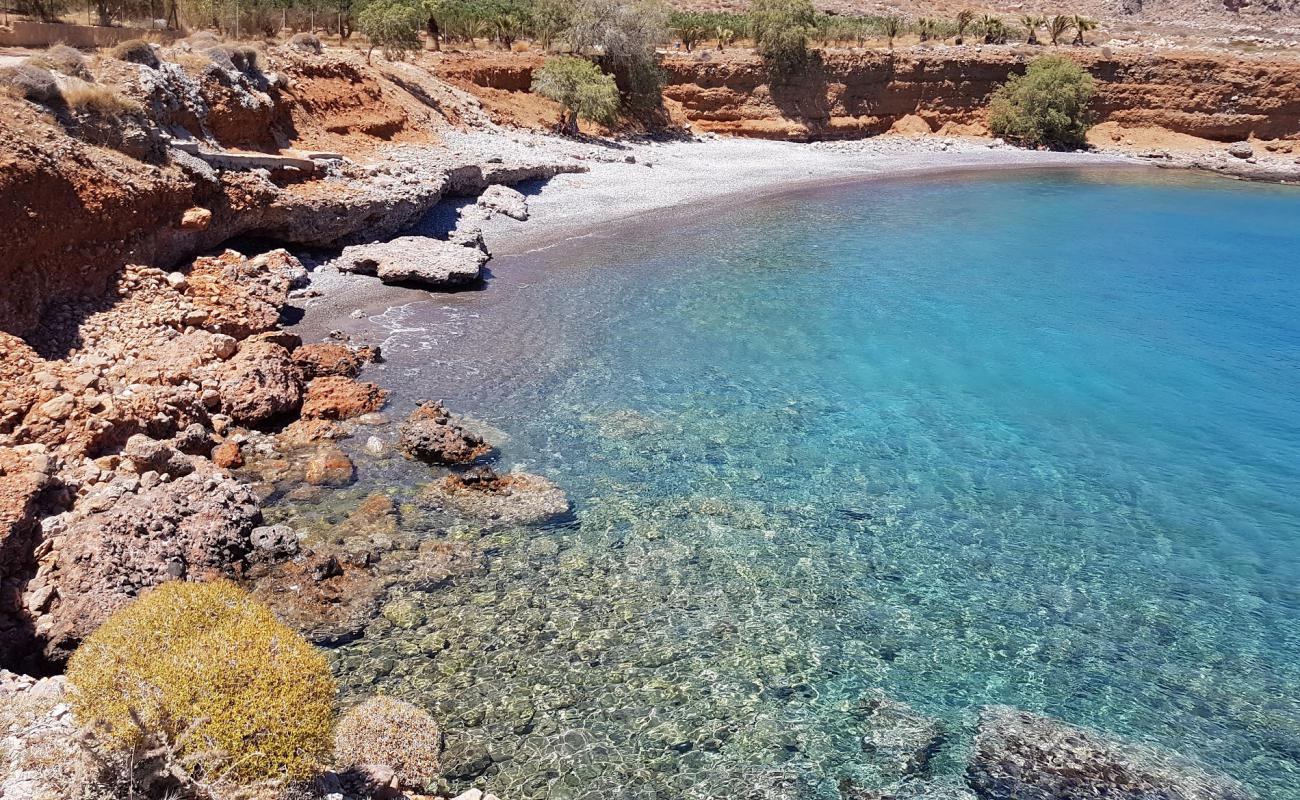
(64, 59)
(95, 99)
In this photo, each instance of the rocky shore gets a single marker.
(158, 403)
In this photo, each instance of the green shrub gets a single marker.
(204, 666)
(1048, 105)
(622, 37)
(383, 730)
(137, 51)
(62, 58)
(781, 31)
(393, 25)
(31, 82)
(580, 88)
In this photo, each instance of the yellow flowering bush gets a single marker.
(206, 667)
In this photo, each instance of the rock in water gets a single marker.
(504, 200)
(898, 739)
(431, 263)
(1023, 756)
(430, 434)
(516, 498)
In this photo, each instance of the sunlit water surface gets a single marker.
(1031, 438)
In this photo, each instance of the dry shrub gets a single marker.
(95, 99)
(235, 57)
(136, 51)
(31, 82)
(391, 732)
(205, 667)
(62, 58)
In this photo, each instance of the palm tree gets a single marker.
(964, 20)
(1081, 26)
(1057, 26)
(995, 30)
(1032, 23)
(725, 37)
(891, 26)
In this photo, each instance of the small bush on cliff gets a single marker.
(393, 26)
(202, 666)
(781, 31)
(1048, 105)
(622, 36)
(580, 88)
(62, 58)
(33, 83)
(136, 51)
(384, 730)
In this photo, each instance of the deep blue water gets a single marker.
(1030, 438)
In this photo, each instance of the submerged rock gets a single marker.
(1024, 756)
(432, 263)
(898, 739)
(516, 498)
(430, 434)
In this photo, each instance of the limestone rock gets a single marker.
(430, 434)
(1241, 150)
(504, 200)
(260, 384)
(432, 263)
(1024, 756)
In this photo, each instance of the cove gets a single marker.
(1028, 438)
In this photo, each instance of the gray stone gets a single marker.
(432, 263)
(1241, 150)
(504, 200)
(274, 541)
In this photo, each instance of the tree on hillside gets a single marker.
(725, 36)
(393, 25)
(781, 31)
(44, 10)
(623, 37)
(1047, 106)
(1081, 26)
(965, 19)
(690, 28)
(1057, 27)
(995, 30)
(892, 26)
(1031, 23)
(580, 88)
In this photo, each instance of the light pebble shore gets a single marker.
(673, 174)
(661, 179)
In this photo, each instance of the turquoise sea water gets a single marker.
(1030, 438)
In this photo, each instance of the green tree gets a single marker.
(393, 25)
(580, 88)
(623, 37)
(995, 30)
(1048, 105)
(892, 27)
(550, 18)
(781, 31)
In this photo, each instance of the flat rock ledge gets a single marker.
(1024, 756)
(431, 263)
(515, 498)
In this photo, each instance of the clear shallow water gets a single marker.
(1031, 438)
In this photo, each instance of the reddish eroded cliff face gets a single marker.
(849, 94)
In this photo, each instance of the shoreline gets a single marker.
(672, 181)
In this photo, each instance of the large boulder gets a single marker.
(504, 200)
(336, 397)
(1024, 756)
(193, 527)
(899, 740)
(431, 263)
(430, 434)
(260, 384)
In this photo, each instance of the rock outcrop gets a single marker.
(261, 384)
(335, 397)
(1024, 756)
(431, 434)
(504, 200)
(430, 263)
(899, 740)
(515, 498)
